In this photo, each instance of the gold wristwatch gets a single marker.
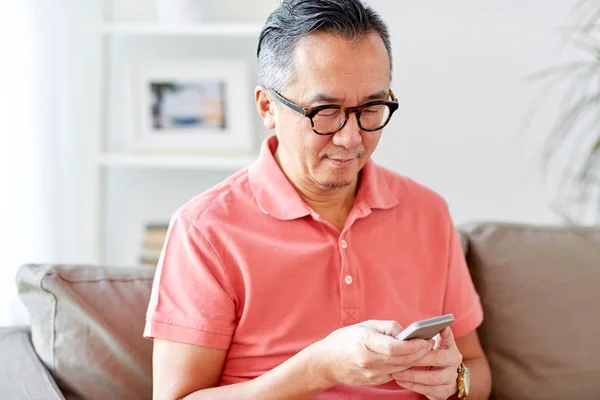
(464, 382)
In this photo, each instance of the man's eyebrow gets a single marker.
(381, 95)
(323, 98)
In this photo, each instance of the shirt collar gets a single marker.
(375, 187)
(277, 197)
(273, 191)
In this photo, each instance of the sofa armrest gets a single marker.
(22, 374)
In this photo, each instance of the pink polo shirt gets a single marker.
(249, 267)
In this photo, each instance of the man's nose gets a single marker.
(349, 136)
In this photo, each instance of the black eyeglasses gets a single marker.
(330, 118)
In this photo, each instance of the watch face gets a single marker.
(467, 381)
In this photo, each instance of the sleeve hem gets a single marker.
(177, 333)
(468, 322)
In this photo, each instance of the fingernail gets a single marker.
(431, 342)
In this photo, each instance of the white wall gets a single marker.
(457, 71)
(458, 66)
(45, 109)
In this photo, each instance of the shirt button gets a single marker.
(344, 244)
(348, 279)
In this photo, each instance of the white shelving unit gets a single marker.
(208, 30)
(133, 188)
(126, 160)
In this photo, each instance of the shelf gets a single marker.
(125, 160)
(208, 29)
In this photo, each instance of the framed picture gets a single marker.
(199, 106)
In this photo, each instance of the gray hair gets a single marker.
(296, 19)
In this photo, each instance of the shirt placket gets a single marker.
(349, 283)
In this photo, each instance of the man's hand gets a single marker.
(436, 373)
(367, 354)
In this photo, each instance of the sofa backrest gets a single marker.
(540, 290)
(539, 286)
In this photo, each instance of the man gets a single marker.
(290, 279)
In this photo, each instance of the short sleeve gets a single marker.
(461, 298)
(191, 300)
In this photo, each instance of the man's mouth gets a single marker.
(341, 161)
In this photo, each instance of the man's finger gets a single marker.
(409, 359)
(441, 392)
(440, 358)
(390, 328)
(434, 377)
(446, 339)
(391, 347)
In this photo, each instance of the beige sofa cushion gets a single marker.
(87, 325)
(540, 289)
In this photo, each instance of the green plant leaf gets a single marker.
(587, 46)
(591, 164)
(591, 22)
(557, 70)
(578, 16)
(567, 176)
(579, 82)
(565, 122)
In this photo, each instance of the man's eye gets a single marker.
(374, 109)
(329, 113)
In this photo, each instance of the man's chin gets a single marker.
(336, 185)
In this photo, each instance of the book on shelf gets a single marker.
(152, 243)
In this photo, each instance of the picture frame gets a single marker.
(192, 105)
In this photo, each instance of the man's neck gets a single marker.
(326, 200)
(333, 204)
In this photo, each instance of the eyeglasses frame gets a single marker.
(311, 112)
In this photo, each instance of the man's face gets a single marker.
(331, 70)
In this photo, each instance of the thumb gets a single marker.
(446, 339)
(390, 328)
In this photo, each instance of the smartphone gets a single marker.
(427, 328)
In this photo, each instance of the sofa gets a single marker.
(539, 286)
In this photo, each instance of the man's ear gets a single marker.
(265, 106)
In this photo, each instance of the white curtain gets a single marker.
(42, 146)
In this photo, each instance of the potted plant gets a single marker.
(574, 140)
